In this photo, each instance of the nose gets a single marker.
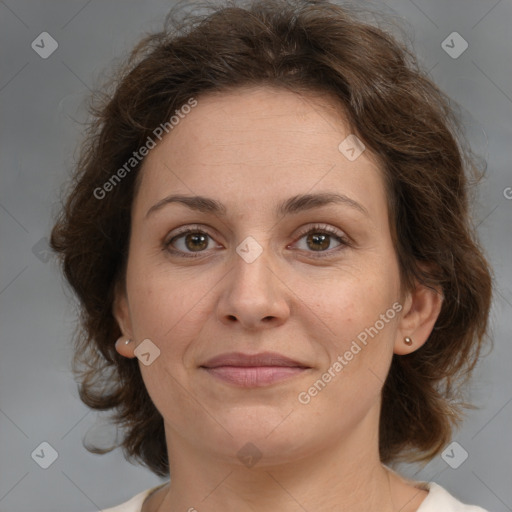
(253, 295)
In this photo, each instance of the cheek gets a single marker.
(171, 311)
(163, 298)
(351, 298)
(358, 313)
(167, 317)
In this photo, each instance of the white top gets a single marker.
(437, 500)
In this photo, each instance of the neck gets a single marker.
(345, 476)
(309, 485)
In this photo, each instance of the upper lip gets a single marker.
(261, 359)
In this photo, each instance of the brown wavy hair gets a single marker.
(402, 117)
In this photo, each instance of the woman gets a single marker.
(270, 216)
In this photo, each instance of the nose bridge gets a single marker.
(253, 293)
(251, 267)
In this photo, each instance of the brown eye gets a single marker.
(196, 241)
(319, 239)
(189, 242)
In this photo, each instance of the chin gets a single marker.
(268, 438)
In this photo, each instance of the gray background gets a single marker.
(41, 102)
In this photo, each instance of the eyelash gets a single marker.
(316, 229)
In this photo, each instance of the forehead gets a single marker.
(253, 146)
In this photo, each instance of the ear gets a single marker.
(421, 309)
(121, 312)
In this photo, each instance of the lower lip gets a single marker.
(254, 376)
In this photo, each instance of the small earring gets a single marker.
(121, 339)
(408, 341)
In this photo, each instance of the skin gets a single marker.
(250, 149)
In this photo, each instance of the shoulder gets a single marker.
(440, 500)
(134, 504)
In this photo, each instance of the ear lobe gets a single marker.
(125, 347)
(422, 308)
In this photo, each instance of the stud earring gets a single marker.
(408, 341)
(123, 341)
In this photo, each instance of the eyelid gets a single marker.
(343, 239)
(184, 230)
(324, 227)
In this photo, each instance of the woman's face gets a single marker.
(250, 279)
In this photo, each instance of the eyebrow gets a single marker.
(290, 206)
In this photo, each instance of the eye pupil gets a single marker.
(196, 237)
(323, 239)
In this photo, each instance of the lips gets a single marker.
(250, 371)
(239, 359)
